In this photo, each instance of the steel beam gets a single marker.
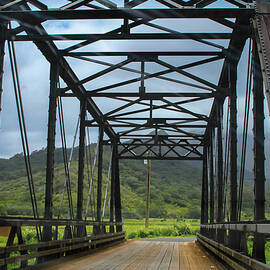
(31, 222)
(81, 161)
(127, 125)
(117, 196)
(137, 36)
(80, 186)
(204, 196)
(259, 156)
(220, 187)
(261, 26)
(120, 13)
(211, 177)
(51, 53)
(150, 95)
(174, 144)
(234, 240)
(54, 77)
(99, 183)
(147, 56)
(236, 46)
(3, 29)
(112, 199)
(159, 158)
(175, 137)
(254, 227)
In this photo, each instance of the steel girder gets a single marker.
(141, 112)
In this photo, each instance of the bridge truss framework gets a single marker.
(146, 123)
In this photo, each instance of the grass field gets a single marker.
(160, 228)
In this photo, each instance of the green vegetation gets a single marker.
(161, 228)
(174, 192)
(175, 187)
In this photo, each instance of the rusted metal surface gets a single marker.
(245, 227)
(262, 27)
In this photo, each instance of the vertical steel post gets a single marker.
(220, 188)
(259, 157)
(99, 184)
(3, 29)
(81, 162)
(54, 77)
(114, 146)
(211, 176)
(234, 240)
(148, 192)
(204, 196)
(211, 182)
(118, 206)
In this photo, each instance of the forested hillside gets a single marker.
(175, 186)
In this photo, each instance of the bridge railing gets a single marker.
(239, 254)
(76, 236)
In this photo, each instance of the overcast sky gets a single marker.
(34, 76)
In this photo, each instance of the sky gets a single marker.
(34, 77)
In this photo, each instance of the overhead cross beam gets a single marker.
(121, 13)
(135, 36)
(51, 52)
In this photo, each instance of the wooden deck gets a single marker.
(139, 255)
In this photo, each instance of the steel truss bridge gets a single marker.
(160, 103)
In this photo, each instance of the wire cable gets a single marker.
(107, 185)
(245, 131)
(23, 131)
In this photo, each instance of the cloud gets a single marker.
(34, 75)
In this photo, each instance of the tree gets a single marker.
(3, 209)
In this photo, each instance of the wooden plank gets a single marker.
(184, 264)
(138, 261)
(165, 264)
(81, 260)
(138, 255)
(175, 263)
(152, 257)
(127, 257)
(193, 256)
(90, 261)
(118, 259)
(4, 231)
(156, 263)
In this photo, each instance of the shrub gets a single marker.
(30, 236)
(3, 209)
(143, 234)
(168, 231)
(132, 235)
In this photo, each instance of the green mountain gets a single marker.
(175, 185)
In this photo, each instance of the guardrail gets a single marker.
(19, 221)
(56, 247)
(235, 259)
(243, 227)
(229, 241)
(75, 238)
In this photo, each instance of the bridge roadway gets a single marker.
(139, 255)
